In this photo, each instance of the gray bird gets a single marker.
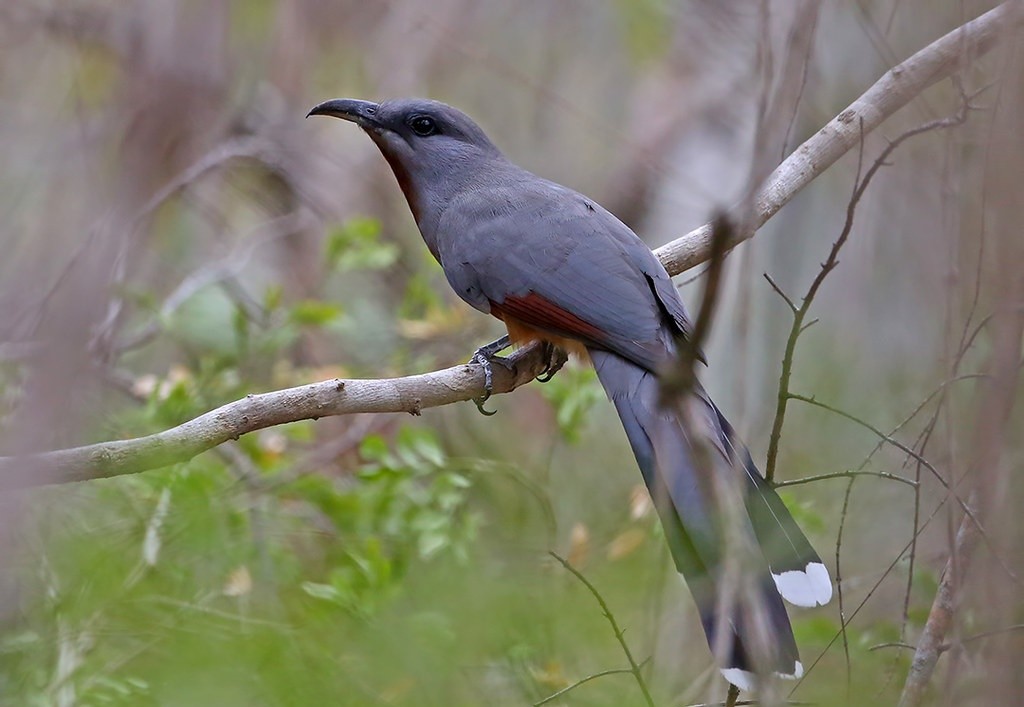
(555, 266)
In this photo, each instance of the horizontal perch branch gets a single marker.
(410, 394)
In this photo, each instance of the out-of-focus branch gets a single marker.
(993, 425)
(220, 270)
(990, 433)
(411, 394)
(894, 90)
(234, 148)
(940, 618)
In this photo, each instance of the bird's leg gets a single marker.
(485, 356)
(556, 358)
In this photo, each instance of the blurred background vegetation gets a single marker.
(176, 236)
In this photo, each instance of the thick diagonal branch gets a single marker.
(895, 89)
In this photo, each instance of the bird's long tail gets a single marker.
(756, 641)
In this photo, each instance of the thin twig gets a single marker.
(893, 644)
(860, 186)
(741, 703)
(871, 592)
(679, 379)
(841, 597)
(964, 505)
(211, 273)
(917, 410)
(775, 286)
(811, 400)
(874, 587)
(603, 673)
(850, 473)
(634, 667)
(799, 313)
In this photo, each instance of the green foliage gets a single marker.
(182, 551)
(407, 507)
(356, 245)
(573, 392)
(645, 27)
(420, 297)
(315, 313)
(806, 514)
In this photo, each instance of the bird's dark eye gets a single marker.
(423, 125)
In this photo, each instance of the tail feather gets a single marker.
(666, 459)
(799, 573)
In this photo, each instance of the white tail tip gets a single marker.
(747, 681)
(810, 587)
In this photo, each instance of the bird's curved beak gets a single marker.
(362, 113)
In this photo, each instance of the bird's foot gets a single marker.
(486, 356)
(556, 358)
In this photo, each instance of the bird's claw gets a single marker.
(556, 358)
(546, 375)
(479, 402)
(486, 356)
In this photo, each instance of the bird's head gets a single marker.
(430, 146)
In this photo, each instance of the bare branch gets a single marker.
(555, 695)
(894, 90)
(849, 474)
(940, 618)
(410, 394)
(965, 506)
(860, 186)
(993, 425)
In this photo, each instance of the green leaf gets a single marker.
(326, 592)
(573, 392)
(817, 629)
(240, 324)
(432, 543)
(803, 512)
(315, 312)
(373, 448)
(419, 444)
(355, 245)
(272, 297)
(420, 296)
(458, 480)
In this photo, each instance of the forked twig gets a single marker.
(555, 695)
(800, 312)
(634, 667)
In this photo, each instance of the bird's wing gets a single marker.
(554, 260)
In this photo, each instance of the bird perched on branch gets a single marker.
(556, 267)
